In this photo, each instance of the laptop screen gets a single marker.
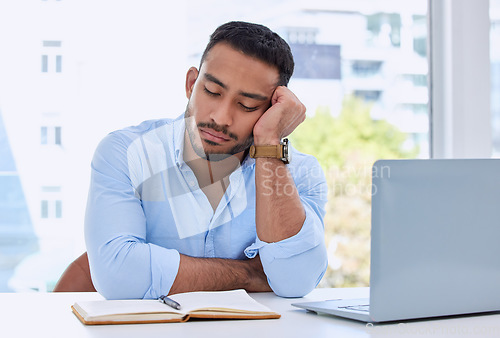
(435, 231)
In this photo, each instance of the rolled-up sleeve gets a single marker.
(295, 265)
(122, 263)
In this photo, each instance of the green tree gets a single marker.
(346, 146)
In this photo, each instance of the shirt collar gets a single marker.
(178, 141)
(248, 162)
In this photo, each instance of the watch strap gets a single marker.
(269, 151)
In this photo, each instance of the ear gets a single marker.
(191, 76)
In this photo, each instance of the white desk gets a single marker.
(49, 315)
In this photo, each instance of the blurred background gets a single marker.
(73, 71)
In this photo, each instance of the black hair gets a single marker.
(256, 41)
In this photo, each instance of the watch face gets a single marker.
(286, 153)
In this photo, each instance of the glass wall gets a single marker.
(361, 71)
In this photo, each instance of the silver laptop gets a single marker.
(435, 242)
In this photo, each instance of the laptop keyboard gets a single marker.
(364, 308)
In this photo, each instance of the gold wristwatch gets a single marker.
(279, 151)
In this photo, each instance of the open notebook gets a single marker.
(235, 304)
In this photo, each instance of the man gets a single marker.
(179, 205)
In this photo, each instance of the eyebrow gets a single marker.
(254, 96)
(215, 80)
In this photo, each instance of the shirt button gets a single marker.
(191, 183)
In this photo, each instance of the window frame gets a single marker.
(459, 87)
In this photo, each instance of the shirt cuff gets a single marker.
(164, 268)
(309, 236)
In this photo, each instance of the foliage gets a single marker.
(346, 147)
(334, 140)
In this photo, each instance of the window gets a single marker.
(314, 61)
(51, 209)
(52, 43)
(301, 35)
(417, 80)
(416, 108)
(45, 209)
(51, 127)
(373, 71)
(51, 57)
(44, 133)
(50, 135)
(57, 135)
(51, 203)
(58, 208)
(368, 95)
(45, 63)
(348, 61)
(58, 63)
(365, 68)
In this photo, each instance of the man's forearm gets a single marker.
(279, 211)
(217, 274)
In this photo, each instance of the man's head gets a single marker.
(256, 41)
(241, 67)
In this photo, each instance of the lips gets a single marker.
(213, 135)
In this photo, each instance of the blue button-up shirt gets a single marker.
(145, 207)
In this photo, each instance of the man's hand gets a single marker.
(284, 115)
(258, 279)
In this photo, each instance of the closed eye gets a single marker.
(211, 93)
(248, 109)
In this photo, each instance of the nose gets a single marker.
(222, 113)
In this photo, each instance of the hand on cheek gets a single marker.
(284, 115)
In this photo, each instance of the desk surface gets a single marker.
(49, 315)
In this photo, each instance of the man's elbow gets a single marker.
(298, 275)
(292, 290)
(118, 279)
(111, 285)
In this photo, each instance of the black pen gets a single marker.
(170, 302)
